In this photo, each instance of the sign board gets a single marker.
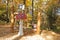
(21, 16)
(58, 11)
(21, 6)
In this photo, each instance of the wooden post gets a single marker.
(20, 28)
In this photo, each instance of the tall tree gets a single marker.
(51, 17)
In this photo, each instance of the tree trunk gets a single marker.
(12, 21)
(38, 23)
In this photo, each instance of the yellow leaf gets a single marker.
(28, 2)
